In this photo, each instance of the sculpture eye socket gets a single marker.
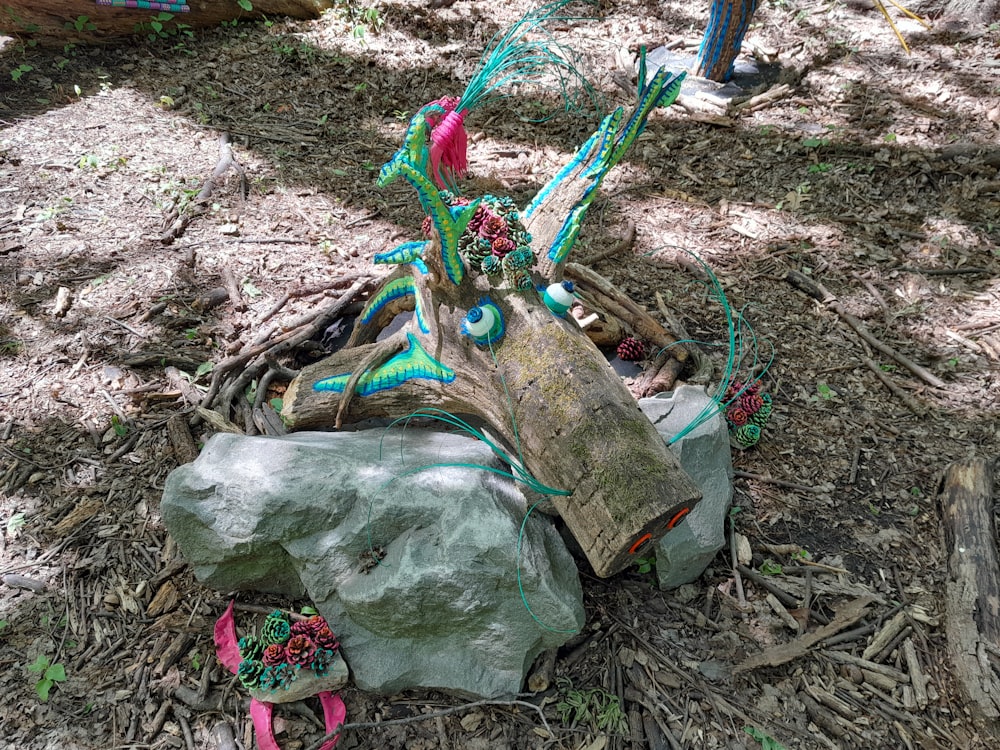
(678, 517)
(639, 543)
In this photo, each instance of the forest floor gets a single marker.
(864, 174)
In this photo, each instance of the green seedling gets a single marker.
(17, 73)
(595, 707)
(766, 741)
(645, 564)
(771, 568)
(50, 675)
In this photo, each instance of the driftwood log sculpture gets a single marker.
(490, 338)
(61, 21)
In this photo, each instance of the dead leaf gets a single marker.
(471, 722)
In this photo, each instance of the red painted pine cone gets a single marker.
(631, 349)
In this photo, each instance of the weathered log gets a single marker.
(534, 380)
(577, 427)
(972, 590)
(81, 21)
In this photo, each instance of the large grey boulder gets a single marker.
(446, 607)
(704, 453)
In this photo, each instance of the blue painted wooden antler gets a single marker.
(581, 177)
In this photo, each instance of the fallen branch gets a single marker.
(201, 201)
(776, 482)
(625, 243)
(303, 331)
(894, 389)
(821, 294)
(616, 303)
(972, 589)
(432, 715)
(775, 656)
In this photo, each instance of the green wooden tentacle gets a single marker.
(400, 288)
(412, 364)
(408, 252)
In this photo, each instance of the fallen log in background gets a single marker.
(57, 22)
(972, 591)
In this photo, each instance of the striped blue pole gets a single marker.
(727, 25)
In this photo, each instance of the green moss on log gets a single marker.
(621, 461)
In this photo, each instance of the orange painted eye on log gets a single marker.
(639, 542)
(677, 518)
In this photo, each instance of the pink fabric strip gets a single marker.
(261, 714)
(334, 712)
(227, 647)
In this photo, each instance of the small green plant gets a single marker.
(820, 167)
(766, 741)
(251, 392)
(203, 369)
(595, 707)
(195, 661)
(889, 138)
(645, 564)
(823, 391)
(15, 523)
(51, 212)
(17, 73)
(770, 568)
(156, 27)
(3, 626)
(50, 675)
(816, 142)
(246, 5)
(80, 24)
(120, 428)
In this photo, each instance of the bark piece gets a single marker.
(786, 652)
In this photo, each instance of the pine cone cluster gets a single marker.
(747, 412)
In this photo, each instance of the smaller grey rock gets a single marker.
(704, 453)
(307, 684)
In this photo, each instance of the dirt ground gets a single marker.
(862, 174)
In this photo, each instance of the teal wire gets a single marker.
(520, 586)
(737, 328)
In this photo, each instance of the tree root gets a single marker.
(233, 375)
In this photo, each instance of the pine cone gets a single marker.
(631, 349)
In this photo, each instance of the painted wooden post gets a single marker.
(727, 25)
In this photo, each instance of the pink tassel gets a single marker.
(261, 714)
(226, 646)
(334, 713)
(449, 148)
